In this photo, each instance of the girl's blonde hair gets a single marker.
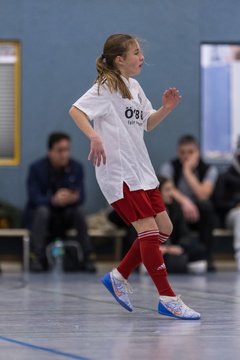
(115, 45)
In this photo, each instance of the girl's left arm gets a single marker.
(170, 100)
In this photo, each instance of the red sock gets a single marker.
(131, 260)
(163, 237)
(153, 260)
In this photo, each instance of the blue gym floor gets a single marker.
(72, 316)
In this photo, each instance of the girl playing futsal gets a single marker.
(121, 112)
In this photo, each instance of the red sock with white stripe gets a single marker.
(163, 237)
(131, 260)
(153, 260)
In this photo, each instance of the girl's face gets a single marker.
(131, 63)
(166, 191)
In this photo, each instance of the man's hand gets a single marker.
(97, 151)
(171, 249)
(171, 98)
(65, 197)
(190, 211)
(192, 162)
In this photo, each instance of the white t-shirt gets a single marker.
(121, 123)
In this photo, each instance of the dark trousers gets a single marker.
(49, 223)
(205, 225)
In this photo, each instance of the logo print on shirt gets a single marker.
(134, 114)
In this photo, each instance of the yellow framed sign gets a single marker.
(9, 102)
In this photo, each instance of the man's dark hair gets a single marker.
(187, 139)
(55, 138)
(163, 180)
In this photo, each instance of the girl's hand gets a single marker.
(171, 98)
(97, 151)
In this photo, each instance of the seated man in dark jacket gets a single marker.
(194, 183)
(55, 193)
(227, 200)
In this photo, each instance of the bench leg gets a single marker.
(26, 253)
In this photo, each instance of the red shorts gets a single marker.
(138, 204)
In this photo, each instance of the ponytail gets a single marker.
(106, 69)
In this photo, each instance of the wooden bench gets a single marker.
(24, 234)
(220, 232)
(217, 232)
(117, 234)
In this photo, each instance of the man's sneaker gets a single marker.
(119, 289)
(38, 264)
(175, 307)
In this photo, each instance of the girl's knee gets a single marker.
(145, 224)
(169, 228)
(164, 223)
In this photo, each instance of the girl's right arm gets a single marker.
(96, 147)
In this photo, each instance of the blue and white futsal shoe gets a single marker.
(175, 307)
(119, 289)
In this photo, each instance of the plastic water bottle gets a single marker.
(57, 255)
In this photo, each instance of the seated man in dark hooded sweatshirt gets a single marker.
(194, 184)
